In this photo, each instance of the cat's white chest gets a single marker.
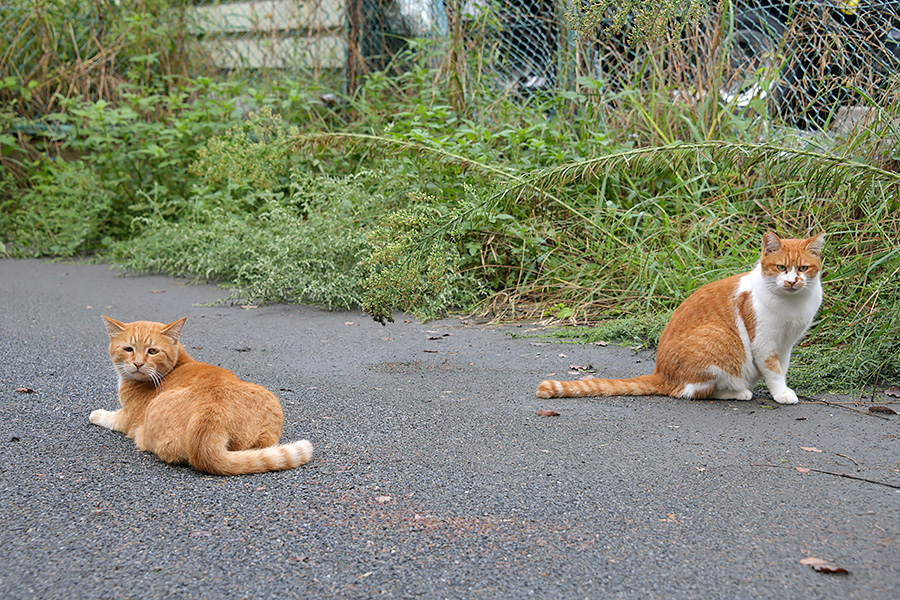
(781, 316)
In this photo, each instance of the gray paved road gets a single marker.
(434, 477)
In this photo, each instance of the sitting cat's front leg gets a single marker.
(109, 419)
(774, 371)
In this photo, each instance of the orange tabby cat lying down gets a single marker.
(186, 411)
(729, 334)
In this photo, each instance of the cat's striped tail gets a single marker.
(645, 385)
(212, 456)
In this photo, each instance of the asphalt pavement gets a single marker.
(433, 475)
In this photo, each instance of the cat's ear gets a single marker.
(815, 243)
(771, 243)
(113, 327)
(173, 330)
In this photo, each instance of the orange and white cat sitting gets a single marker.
(730, 333)
(191, 412)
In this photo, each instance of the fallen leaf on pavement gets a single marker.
(882, 409)
(893, 391)
(25, 390)
(547, 413)
(810, 449)
(803, 470)
(823, 566)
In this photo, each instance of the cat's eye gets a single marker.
(128, 349)
(781, 268)
(802, 268)
(152, 350)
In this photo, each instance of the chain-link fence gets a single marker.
(802, 58)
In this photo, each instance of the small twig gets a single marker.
(859, 410)
(853, 402)
(850, 459)
(845, 475)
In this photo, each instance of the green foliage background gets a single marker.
(571, 207)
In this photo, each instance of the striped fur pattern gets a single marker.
(186, 411)
(729, 334)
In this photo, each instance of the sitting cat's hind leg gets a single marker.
(727, 394)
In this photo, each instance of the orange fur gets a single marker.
(729, 333)
(191, 412)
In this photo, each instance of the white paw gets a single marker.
(723, 394)
(103, 418)
(743, 395)
(786, 397)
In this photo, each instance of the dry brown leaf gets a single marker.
(25, 390)
(882, 409)
(810, 449)
(547, 413)
(803, 470)
(823, 566)
(893, 391)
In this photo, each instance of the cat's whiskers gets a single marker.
(156, 378)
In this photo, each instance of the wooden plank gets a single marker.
(320, 52)
(265, 16)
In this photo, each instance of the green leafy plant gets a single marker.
(408, 272)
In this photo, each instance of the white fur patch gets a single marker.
(103, 418)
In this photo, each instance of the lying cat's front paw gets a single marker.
(103, 418)
(786, 397)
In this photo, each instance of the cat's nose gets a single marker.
(138, 365)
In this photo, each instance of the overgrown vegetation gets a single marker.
(598, 205)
